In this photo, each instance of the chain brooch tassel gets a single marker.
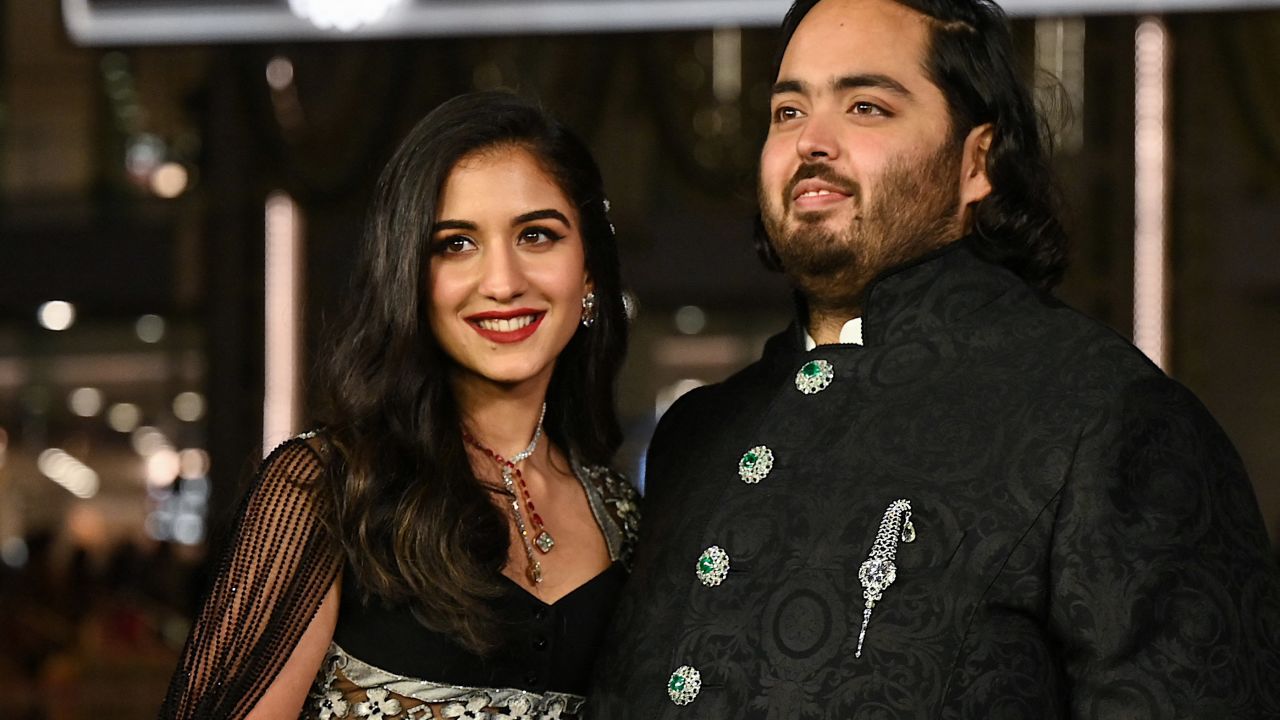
(878, 572)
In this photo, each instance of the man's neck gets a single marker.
(825, 326)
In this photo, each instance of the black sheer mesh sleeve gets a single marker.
(275, 572)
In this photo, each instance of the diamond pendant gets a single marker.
(535, 572)
(545, 542)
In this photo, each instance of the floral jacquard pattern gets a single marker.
(518, 708)
(473, 708)
(331, 705)
(552, 711)
(347, 684)
(378, 706)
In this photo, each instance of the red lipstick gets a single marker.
(512, 331)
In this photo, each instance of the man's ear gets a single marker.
(975, 184)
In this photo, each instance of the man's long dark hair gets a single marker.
(416, 525)
(971, 59)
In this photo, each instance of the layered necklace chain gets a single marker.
(517, 489)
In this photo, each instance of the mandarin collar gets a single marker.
(918, 298)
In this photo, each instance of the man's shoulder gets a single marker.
(717, 395)
(1075, 349)
(722, 399)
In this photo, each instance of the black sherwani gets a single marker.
(1087, 542)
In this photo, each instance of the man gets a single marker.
(940, 494)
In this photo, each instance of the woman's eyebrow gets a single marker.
(453, 225)
(548, 214)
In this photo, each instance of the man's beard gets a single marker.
(915, 213)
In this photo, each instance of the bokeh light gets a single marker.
(14, 552)
(56, 315)
(73, 475)
(162, 467)
(85, 401)
(124, 417)
(169, 180)
(691, 320)
(150, 328)
(279, 72)
(188, 406)
(193, 463)
(147, 441)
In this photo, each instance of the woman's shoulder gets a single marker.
(299, 461)
(616, 505)
(609, 482)
(289, 481)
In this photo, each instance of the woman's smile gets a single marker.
(506, 326)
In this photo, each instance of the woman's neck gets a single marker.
(502, 418)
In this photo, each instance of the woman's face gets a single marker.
(508, 268)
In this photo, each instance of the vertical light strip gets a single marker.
(726, 64)
(282, 303)
(1059, 50)
(1151, 176)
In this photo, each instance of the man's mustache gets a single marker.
(823, 172)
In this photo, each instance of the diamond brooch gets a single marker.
(814, 377)
(878, 571)
(713, 566)
(684, 685)
(755, 464)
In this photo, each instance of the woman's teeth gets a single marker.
(505, 324)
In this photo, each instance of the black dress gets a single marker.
(382, 663)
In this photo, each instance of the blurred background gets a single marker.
(182, 184)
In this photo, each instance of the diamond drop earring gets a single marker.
(589, 309)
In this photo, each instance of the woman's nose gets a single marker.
(502, 276)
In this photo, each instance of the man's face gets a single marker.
(859, 172)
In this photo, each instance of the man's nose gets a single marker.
(818, 139)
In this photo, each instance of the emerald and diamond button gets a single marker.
(814, 377)
(684, 685)
(713, 566)
(755, 464)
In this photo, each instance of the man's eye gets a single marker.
(867, 108)
(785, 113)
(538, 236)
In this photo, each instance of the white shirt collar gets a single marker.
(850, 334)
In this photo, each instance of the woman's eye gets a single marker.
(538, 236)
(454, 245)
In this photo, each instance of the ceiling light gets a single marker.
(343, 15)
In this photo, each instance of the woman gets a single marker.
(450, 545)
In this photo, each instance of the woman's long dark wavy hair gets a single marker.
(416, 524)
(971, 59)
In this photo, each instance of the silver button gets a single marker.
(684, 685)
(755, 464)
(713, 566)
(814, 376)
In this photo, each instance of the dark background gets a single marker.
(95, 595)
